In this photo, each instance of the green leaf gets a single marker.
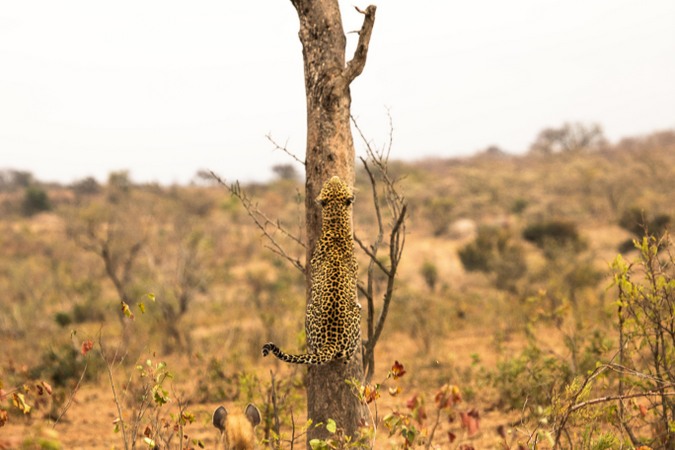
(331, 426)
(151, 296)
(160, 395)
(141, 306)
(187, 417)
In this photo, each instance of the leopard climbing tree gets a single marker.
(333, 319)
(329, 152)
(331, 396)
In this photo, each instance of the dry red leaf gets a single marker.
(421, 414)
(370, 393)
(397, 370)
(86, 347)
(412, 402)
(470, 421)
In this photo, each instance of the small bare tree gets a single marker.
(569, 138)
(104, 233)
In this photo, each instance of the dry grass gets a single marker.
(457, 333)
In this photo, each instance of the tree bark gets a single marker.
(329, 152)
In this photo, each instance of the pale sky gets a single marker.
(165, 88)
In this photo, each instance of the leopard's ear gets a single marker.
(320, 201)
(252, 414)
(219, 418)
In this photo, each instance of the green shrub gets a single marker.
(495, 251)
(646, 302)
(217, 383)
(637, 222)
(480, 254)
(35, 200)
(429, 272)
(553, 232)
(530, 379)
(88, 312)
(63, 365)
(519, 205)
(63, 319)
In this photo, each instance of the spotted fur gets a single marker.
(333, 316)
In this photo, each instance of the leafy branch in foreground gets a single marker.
(412, 424)
(146, 397)
(646, 311)
(645, 372)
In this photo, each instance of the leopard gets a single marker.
(333, 315)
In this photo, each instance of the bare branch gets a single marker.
(372, 254)
(358, 61)
(262, 222)
(395, 249)
(396, 241)
(71, 397)
(283, 148)
(610, 398)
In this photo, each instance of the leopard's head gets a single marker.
(335, 199)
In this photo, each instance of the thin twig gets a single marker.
(262, 222)
(433, 429)
(72, 395)
(116, 399)
(284, 149)
(610, 398)
(292, 429)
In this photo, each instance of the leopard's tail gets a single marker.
(307, 358)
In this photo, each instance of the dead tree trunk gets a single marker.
(330, 151)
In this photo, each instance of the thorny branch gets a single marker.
(263, 222)
(284, 149)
